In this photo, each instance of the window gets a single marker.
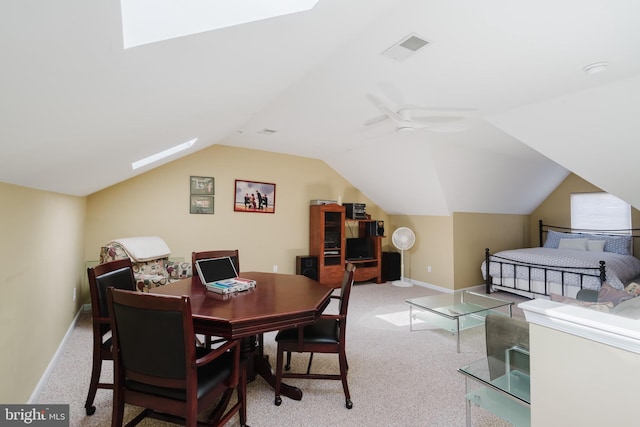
(599, 211)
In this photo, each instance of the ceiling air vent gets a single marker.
(405, 48)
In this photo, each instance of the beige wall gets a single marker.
(454, 245)
(433, 247)
(556, 209)
(579, 382)
(157, 203)
(473, 232)
(42, 262)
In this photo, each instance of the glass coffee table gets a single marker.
(456, 311)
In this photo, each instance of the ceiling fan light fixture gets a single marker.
(595, 68)
(406, 129)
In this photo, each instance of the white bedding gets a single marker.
(620, 269)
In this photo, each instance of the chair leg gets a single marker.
(310, 361)
(117, 414)
(288, 365)
(279, 363)
(242, 395)
(93, 384)
(343, 376)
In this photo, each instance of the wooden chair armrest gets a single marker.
(332, 316)
(217, 352)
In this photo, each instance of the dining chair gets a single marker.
(234, 254)
(158, 366)
(326, 335)
(118, 274)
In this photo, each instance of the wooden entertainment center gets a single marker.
(327, 242)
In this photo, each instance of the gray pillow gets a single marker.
(595, 245)
(574, 244)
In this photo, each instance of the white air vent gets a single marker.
(405, 48)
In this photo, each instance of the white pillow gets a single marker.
(575, 244)
(596, 245)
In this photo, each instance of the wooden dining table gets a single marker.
(278, 301)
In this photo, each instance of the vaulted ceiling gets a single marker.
(77, 108)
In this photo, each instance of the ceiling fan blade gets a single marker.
(395, 94)
(448, 127)
(440, 109)
(392, 92)
(376, 120)
(428, 120)
(388, 111)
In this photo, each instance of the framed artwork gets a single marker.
(252, 196)
(201, 204)
(202, 191)
(202, 185)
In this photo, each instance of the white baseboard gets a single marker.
(52, 363)
(477, 288)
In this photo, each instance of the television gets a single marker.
(359, 248)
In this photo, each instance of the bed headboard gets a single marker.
(543, 229)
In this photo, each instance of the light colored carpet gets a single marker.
(396, 377)
(398, 318)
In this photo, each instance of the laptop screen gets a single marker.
(213, 269)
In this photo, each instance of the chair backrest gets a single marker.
(345, 291)
(234, 254)
(154, 337)
(117, 274)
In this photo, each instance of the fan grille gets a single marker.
(403, 238)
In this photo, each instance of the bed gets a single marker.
(567, 261)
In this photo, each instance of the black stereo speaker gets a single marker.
(375, 228)
(390, 266)
(307, 266)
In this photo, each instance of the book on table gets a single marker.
(219, 275)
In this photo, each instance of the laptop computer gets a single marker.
(220, 275)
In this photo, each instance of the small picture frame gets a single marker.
(203, 185)
(201, 204)
(254, 196)
(201, 194)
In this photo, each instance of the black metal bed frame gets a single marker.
(598, 272)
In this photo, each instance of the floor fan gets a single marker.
(403, 238)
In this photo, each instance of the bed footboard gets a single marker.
(536, 279)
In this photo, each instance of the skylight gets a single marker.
(149, 21)
(163, 154)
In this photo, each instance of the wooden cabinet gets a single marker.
(327, 242)
(371, 269)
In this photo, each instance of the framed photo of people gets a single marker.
(254, 196)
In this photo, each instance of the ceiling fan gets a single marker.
(406, 120)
